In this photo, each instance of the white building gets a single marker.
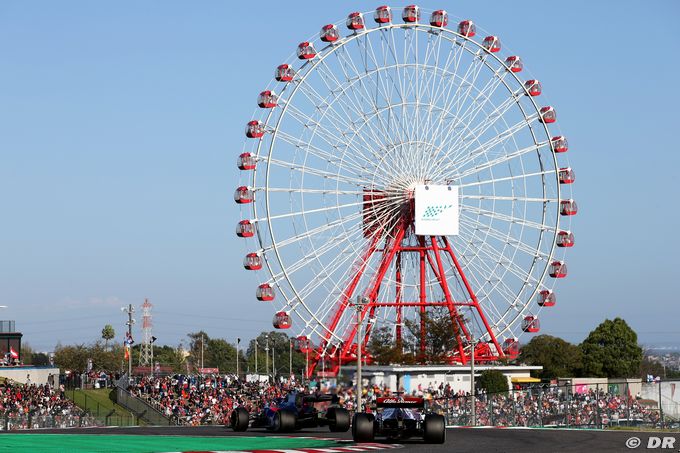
(408, 378)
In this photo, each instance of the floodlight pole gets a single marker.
(472, 382)
(359, 307)
(129, 310)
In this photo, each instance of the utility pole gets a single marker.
(290, 358)
(256, 370)
(202, 343)
(359, 307)
(238, 341)
(128, 340)
(273, 362)
(472, 383)
(266, 350)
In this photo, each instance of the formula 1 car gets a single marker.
(292, 412)
(399, 417)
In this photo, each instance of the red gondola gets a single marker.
(302, 344)
(282, 320)
(568, 207)
(547, 298)
(531, 324)
(254, 129)
(252, 262)
(567, 175)
(492, 43)
(511, 347)
(467, 28)
(565, 239)
(245, 229)
(559, 144)
(411, 14)
(382, 15)
(514, 63)
(548, 115)
(267, 99)
(533, 87)
(306, 51)
(243, 195)
(329, 33)
(284, 73)
(265, 292)
(246, 161)
(355, 21)
(558, 269)
(439, 18)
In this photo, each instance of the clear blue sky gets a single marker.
(120, 123)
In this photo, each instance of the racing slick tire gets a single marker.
(338, 420)
(284, 422)
(362, 428)
(434, 429)
(240, 419)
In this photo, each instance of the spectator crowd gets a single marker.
(196, 400)
(27, 406)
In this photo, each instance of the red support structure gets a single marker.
(434, 256)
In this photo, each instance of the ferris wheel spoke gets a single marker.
(351, 72)
(466, 172)
(336, 120)
(463, 88)
(507, 218)
(461, 143)
(469, 116)
(328, 157)
(515, 198)
(359, 182)
(340, 93)
(492, 253)
(506, 178)
(529, 250)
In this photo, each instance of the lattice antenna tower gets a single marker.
(146, 350)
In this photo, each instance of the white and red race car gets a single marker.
(399, 417)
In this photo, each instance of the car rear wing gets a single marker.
(411, 402)
(334, 399)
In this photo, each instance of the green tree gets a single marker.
(440, 335)
(493, 381)
(172, 357)
(72, 358)
(279, 345)
(108, 334)
(384, 349)
(611, 350)
(558, 358)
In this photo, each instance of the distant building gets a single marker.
(410, 378)
(10, 341)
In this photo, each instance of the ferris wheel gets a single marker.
(409, 164)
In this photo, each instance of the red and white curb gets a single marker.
(351, 447)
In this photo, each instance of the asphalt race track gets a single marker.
(457, 440)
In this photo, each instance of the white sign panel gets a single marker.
(436, 210)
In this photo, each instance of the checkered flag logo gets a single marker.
(435, 210)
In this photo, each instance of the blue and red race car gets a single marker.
(399, 417)
(295, 411)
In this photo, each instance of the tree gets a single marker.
(108, 334)
(492, 381)
(173, 357)
(611, 350)
(558, 358)
(440, 335)
(280, 343)
(383, 347)
(72, 358)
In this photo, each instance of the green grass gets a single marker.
(108, 443)
(98, 403)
